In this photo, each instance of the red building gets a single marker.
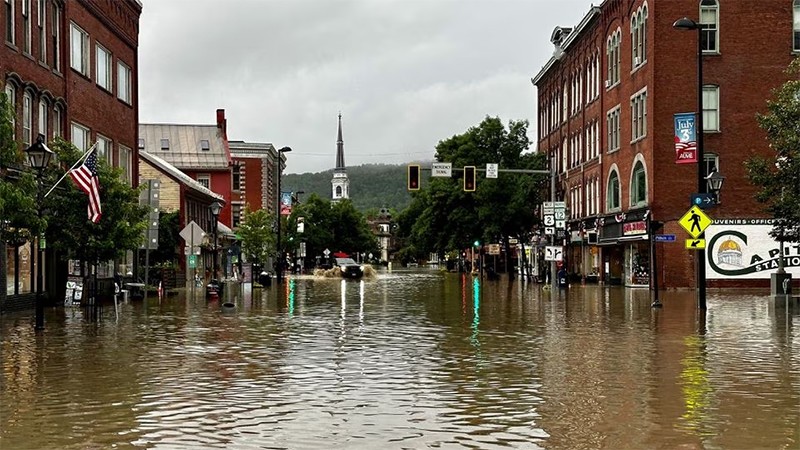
(255, 176)
(70, 69)
(607, 101)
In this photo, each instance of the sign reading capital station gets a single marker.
(743, 249)
(685, 138)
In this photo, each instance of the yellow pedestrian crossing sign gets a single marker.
(695, 221)
(695, 244)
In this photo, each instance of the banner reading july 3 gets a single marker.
(685, 138)
(286, 203)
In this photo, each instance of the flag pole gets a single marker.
(79, 161)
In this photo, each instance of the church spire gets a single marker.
(340, 147)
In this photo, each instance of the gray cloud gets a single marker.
(404, 73)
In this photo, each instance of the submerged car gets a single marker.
(350, 268)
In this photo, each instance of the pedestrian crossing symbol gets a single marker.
(695, 221)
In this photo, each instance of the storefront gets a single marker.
(625, 246)
(584, 255)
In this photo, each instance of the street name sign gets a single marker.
(664, 238)
(695, 221)
(442, 169)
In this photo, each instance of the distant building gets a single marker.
(69, 69)
(254, 177)
(340, 184)
(607, 101)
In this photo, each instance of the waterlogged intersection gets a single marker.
(409, 359)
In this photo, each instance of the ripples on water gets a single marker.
(406, 360)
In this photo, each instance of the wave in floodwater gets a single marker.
(369, 273)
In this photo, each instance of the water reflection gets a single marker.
(410, 359)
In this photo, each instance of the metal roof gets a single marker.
(173, 171)
(184, 150)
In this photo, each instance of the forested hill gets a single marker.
(371, 185)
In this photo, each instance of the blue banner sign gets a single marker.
(685, 138)
(664, 238)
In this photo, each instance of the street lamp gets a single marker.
(279, 166)
(38, 158)
(689, 24)
(715, 180)
(215, 208)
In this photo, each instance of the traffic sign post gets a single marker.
(704, 200)
(695, 221)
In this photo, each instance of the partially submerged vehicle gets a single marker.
(349, 268)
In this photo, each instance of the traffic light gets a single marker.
(413, 177)
(469, 178)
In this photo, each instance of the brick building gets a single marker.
(70, 69)
(255, 178)
(606, 105)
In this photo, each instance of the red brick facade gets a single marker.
(745, 66)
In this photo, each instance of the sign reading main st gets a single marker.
(695, 221)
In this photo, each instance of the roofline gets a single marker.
(179, 176)
(594, 11)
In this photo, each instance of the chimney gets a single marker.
(221, 122)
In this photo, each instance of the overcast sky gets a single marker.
(405, 74)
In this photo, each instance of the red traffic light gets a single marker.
(413, 177)
(469, 178)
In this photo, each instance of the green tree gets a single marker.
(778, 176)
(258, 235)
(447, 218)
(123, 222)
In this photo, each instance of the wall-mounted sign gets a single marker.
(685, 138)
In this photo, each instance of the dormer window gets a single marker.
(204, 145)
(165, 144)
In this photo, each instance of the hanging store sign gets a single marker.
(685, 138)
(634, 228)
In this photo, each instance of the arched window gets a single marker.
(11, 98)
(338, 191)
(638, 185)
(643, 34)
(634, 40)
(709, 23)
(612, 191)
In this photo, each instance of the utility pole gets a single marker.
(553, 238)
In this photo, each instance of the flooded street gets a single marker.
(410, 359)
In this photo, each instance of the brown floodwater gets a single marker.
(407, 359)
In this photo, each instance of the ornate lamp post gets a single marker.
(278, 247)
(215, 208)
(38, 158)
(689, 24)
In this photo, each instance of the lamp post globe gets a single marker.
(38, 158)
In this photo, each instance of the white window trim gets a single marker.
(84, 131)
(43, 117)
(27, 119)
(711, 88)
(716, 50)
(614, 129)
(612, 171)
(639, 115)
(107, 148)
(12, 22)
(108, 82)
(204, 177)
(632, 191)
(41, 20)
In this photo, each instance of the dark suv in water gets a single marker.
(350, 268)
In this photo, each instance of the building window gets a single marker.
(638, 185)
(26, 25)
(613, 125)
(612, 191)
(236, 172)
(236, 210)
(164, 144)
(10, 30)
(125, 163)
(43, 108)
(204, 145)
(639, 116)
(80, 136)
(11, 96)
(141, 144)
(104, 68)
(205, 180)
(58, 121)
(124, 83)
(796, 26)
(79, 49)
(639, 37)
(41, 21)
(711, 162)
(711, 108)
(613, 57)
(27, 119)
(104, 147)
(709, 23)
(56, 23)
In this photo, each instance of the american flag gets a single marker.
(85, 177)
